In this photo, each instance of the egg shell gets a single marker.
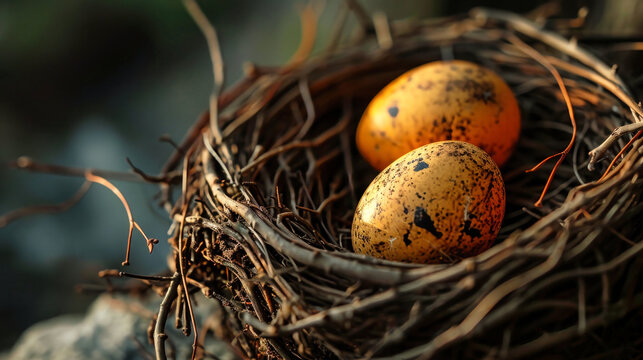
(442, 100)
(437, 204)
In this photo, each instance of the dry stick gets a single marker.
(167, 178)
(188, 300)
(382, 31)
(216, 156)
(159, 328)
(217, 63)
(544, 62)
(618, 132)
(167, 139)
(340, 126)
(485, 305)
(116, 273)
(331, 198)
(361, 15)
(614, 88)
(187, 142)
(308, 19)
(268, 87)
(310, 108)
(638, 134)
(598, 152)
(14, 215)
(552, 39)
(92, 176)
(348, 163)
(132, 224)
(26, 163)
(575, 153)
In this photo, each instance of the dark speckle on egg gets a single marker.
(423, 220)
(420, 166)
(407, 242)
(469, 230)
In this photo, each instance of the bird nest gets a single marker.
(271, 178)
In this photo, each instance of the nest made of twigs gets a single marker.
(264, 214)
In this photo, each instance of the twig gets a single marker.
(614, 88)
(308, 18)
(216, 156)
(620, 153)
(552, 39)
(26, 163)
(602, 148)
(132, 224)
(485, 306)
(164, 310)
(181, 257)
(298, 144)
(117, 273)
(310, 109)
(382, 31)
(167, 178)
(12, 216)
(361, 15)
(217, 63)
(543, 61)
(187, 142)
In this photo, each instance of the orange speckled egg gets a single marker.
(437, 204)
(442, 100)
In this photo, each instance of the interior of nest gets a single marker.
(297, 156)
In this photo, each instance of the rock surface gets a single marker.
(115, 327)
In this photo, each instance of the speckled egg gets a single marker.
(437, 204)
(442, 100)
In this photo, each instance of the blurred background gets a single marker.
(89, 83)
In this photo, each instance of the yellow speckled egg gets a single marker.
(441, 100)
(436, 204)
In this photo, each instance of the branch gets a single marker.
(159, 328)
(362, 16)
(12, 216)
(544, 62)
(132, 224)
(598, 152)
(26, 163)
(210, 34)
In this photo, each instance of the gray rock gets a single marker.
(115, 327)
